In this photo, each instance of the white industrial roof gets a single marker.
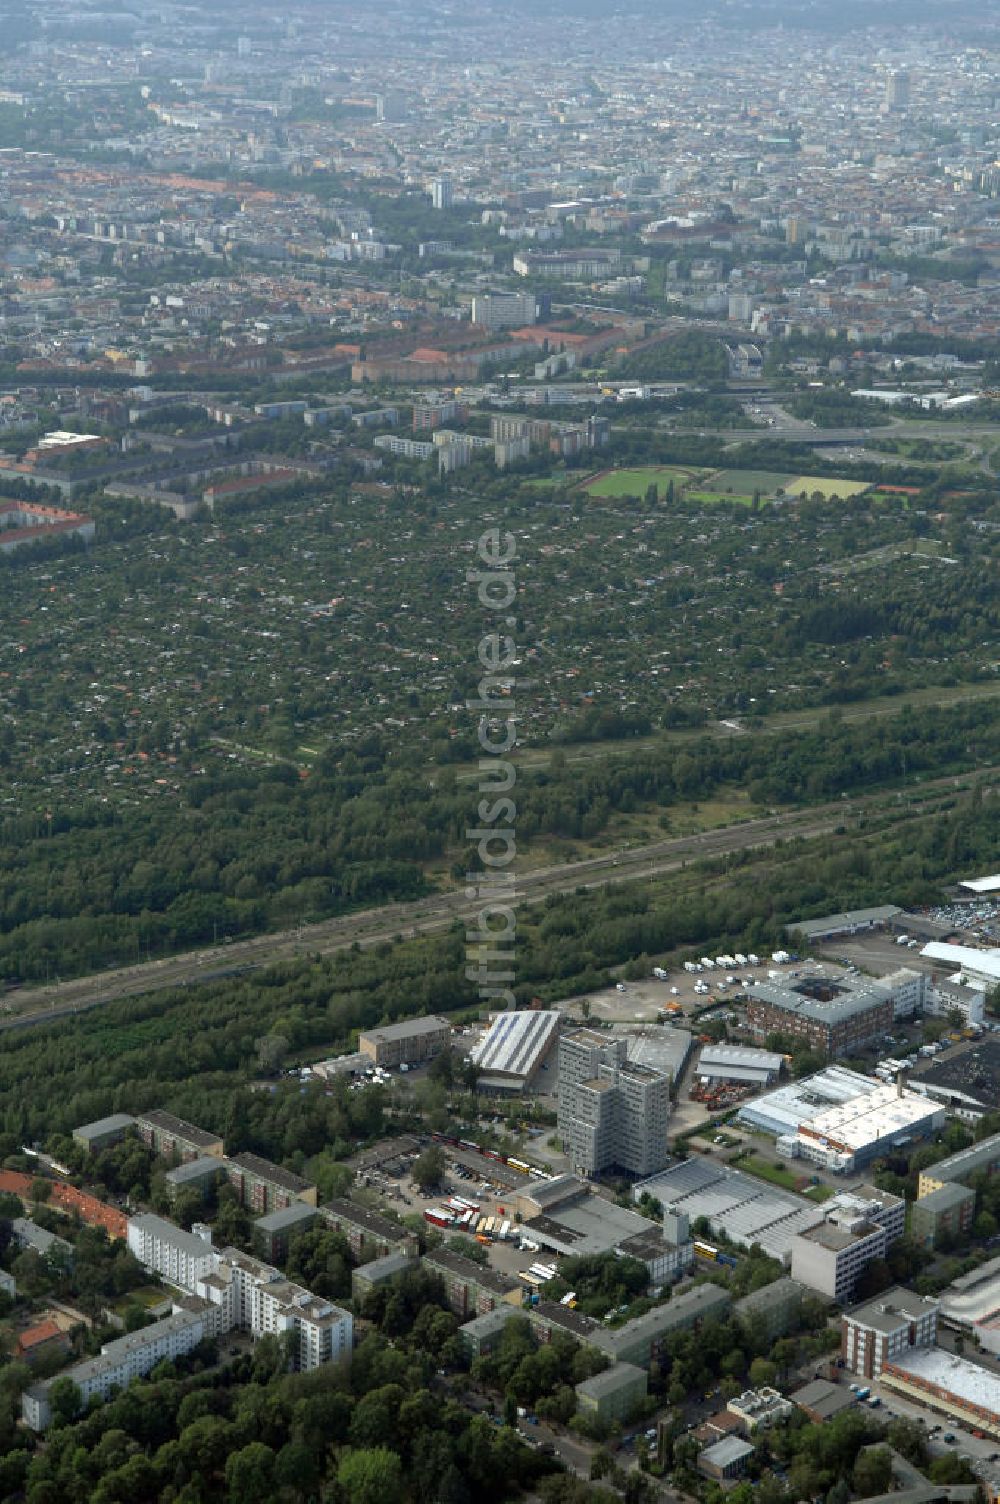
(982, 884)
(516, 1042)
(965, 958)
(783, 1111)
(746, 1209)
(728, 1054)
(877, 1114)
(967, 1381)
(975, 1296)
(664, 1049)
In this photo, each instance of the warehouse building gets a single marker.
(821, 1400)
(104, 1133)
(981, 885)
(575, 1223)
(952, 1385)
(783, 1110)
(513, 1050)
(841, 1120)
(664, 1049)
(613, 1395)
(977, 968)
(857, 922)
(972, 1302)
(739, 1207)
(943, 1214)
(884, 1329)
(837, 1017)
(727, 1062)
(407, 1043)
(851, 1136)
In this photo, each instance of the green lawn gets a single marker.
(710, 498)
(146, 1296)
(765, 1170)
(749, 481)
(831, 490)
(636, 482)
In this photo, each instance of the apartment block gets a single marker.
(171, 1136)
(407, 449)
(776, 1306)
(504, 310)
(383, 1271)
(472, 1290)
(271, 1233)
(258, 1298)
(368, 1235)
(104, 1133)
(181, 1258)
(613, 1394)
(199, 1175)
(611, 1114)
(236, 1290)
(483, 1333)
(946, 1212)
(119, 1364)
(885, 1328)
(638, 1341)
(263, 1187)
(980, 1159)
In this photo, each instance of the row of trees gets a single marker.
(252, 849)
(123, 1057)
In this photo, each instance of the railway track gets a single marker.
(371, 927)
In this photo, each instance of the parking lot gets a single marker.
(937, 1426)
(877, 954)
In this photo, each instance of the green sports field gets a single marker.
(746, 482)
(733, 498)
(830, 490)
(637, 482)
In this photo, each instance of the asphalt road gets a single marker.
(375, 926)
